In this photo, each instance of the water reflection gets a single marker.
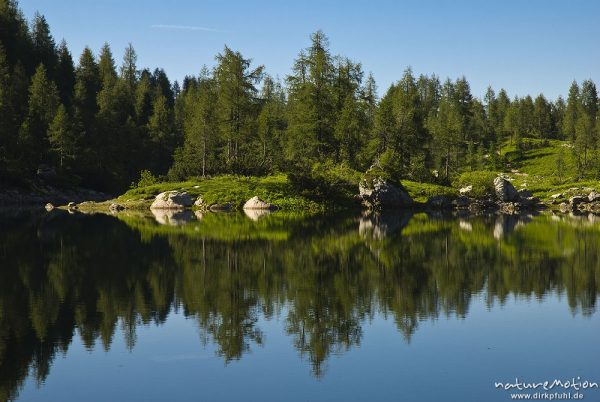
(327, 275)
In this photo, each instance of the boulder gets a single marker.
(505, 191)
(378, 193)
(564, 207)
(172, 200)
(557, 196)
(594, 196)
(49, 207)
(114, 207)
(257, 203)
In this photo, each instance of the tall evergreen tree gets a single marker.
(271, 124)
(236, 88)
(7, 122)
(44, 47)
(589, 98)
(62, 139)
(312, 103)
(570, 116)
(65, 74)
(446, 127)
(106, 67)
(542, 118)
(129, 71)
(43, 103)
(199, 154)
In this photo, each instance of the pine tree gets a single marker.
(348, 131)
(236, 89)
(312, 103)
(446, 130)
(542, 118)
(558, 113)
(160, 129)
(589, 98)
(87, 85)
(106, 67)
(44, 47)
(198, 155)
(585, 138)
(503, 105)
(271, 124)
(570, 116)
(143, 99)
(7, 123)
(43, 103)
(62, 139)
(129, 71)
(65, 74)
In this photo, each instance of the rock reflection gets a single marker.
(172, 217)
(377, 225)
(256, 214)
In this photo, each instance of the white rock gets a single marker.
(172, 200)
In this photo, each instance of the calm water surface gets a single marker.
(290, 307)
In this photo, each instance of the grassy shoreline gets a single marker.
(533, 169)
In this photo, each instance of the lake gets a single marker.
(286, 307)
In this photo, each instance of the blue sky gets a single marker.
(527, 46)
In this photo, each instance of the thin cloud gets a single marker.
(186, 28)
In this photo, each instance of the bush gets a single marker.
(482, 182)
(146, 179)
(326, 181)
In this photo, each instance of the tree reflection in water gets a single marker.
(326, 275)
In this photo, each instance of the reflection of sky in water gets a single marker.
(446, 359)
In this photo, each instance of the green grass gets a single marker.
(536, 169)
(275, 189)
(420, 192)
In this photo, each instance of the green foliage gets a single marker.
(146, 179)
(482, 182)
(327, 182)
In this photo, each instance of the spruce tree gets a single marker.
(570, 116)
(236, 82)
(44, 47)
(65, 74)
(43, 103)
(62, 139)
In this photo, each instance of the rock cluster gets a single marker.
(581, 203)
(506, 199)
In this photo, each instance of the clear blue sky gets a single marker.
(524, 46)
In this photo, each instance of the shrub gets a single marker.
(482, 182)
(326, 181)
(146, 179)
